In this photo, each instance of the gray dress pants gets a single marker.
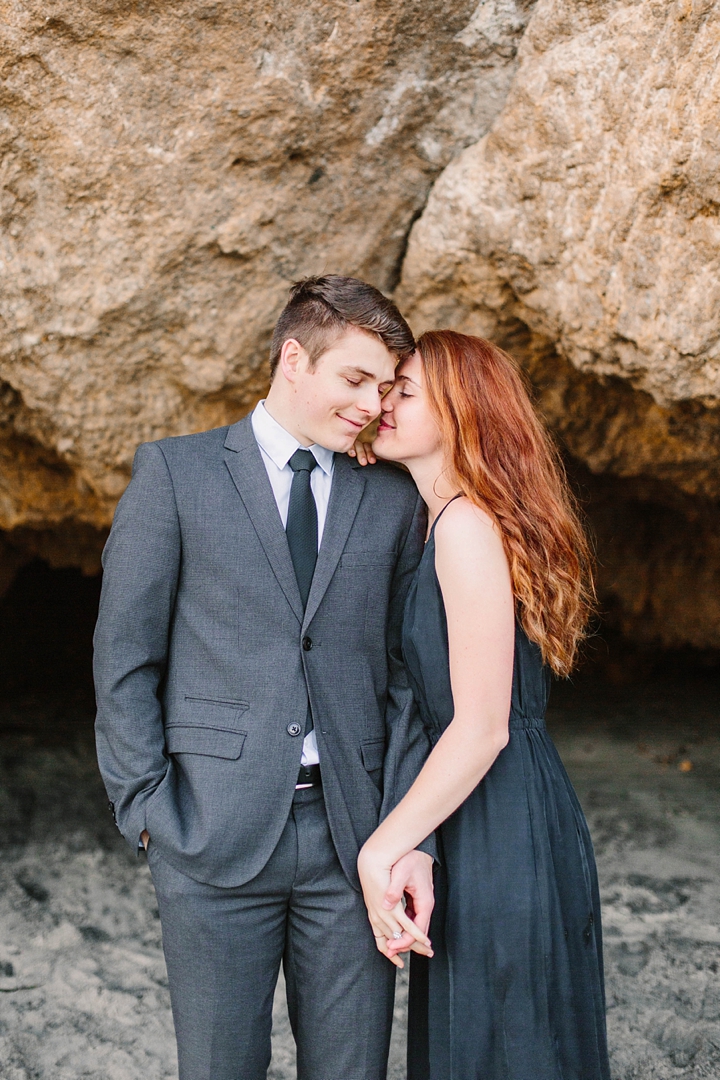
(223, 949)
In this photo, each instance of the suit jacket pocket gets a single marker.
(222, 703)
(209, 741)
(368, 558)
(224, 714)
(373, 754)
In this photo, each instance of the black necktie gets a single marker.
(302, 531)
(302, 523)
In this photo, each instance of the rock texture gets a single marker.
(167, 171)
(583, 233)
(590, 215)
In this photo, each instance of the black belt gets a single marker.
(309, 776)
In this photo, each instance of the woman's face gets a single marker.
(408, 430)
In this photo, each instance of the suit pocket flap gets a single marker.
(210, 741)
(223, 715)
(368, 558)
(373, 754)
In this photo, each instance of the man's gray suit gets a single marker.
(204, 661)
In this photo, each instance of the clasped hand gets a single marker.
(399, 900)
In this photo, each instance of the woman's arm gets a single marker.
(475, 580)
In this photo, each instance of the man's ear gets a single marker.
(293, 358)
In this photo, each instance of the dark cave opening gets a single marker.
(47, 618)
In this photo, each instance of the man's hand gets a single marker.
(145, 838)
(411, 877)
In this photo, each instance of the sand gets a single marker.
(83, 989)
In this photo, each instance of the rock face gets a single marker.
(590, 215)
(168, 170)
(583, 232)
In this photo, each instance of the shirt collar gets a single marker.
(280, 445)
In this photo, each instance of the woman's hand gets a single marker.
(362, 449)
(363, 452)
(411, 881)
(375, 878)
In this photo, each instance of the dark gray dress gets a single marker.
(515, 989)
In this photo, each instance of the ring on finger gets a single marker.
(397, 934)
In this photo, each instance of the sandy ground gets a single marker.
(83, 990)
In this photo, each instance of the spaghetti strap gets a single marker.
(458, 496)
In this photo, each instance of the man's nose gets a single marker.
(370, 402)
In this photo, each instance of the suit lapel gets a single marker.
(246, 466)
(347, 490)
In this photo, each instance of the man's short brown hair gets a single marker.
(321, 309)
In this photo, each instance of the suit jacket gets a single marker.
(204, 658)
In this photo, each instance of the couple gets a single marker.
(321, 684)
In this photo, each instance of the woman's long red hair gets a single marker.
(504, 461)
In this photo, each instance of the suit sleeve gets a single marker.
(407, 745)
(141, 565)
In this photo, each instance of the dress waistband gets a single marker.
(526, 722)
(517, 723)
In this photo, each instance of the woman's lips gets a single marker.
(384, 426)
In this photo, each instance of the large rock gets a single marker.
(167, 172)
(583, 233)
(590, 214)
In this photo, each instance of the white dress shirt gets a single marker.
(277, 446)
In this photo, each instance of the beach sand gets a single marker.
(83, 989)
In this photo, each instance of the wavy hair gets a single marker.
(504, 461)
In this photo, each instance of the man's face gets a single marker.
(334, 400)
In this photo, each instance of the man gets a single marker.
(254, 719)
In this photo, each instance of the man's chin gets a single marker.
(339, 443)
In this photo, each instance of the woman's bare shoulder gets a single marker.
(468, 542)
(463, 520)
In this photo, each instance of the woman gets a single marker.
(499, 601)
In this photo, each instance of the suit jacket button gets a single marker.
(293, 729)
(307, 644)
